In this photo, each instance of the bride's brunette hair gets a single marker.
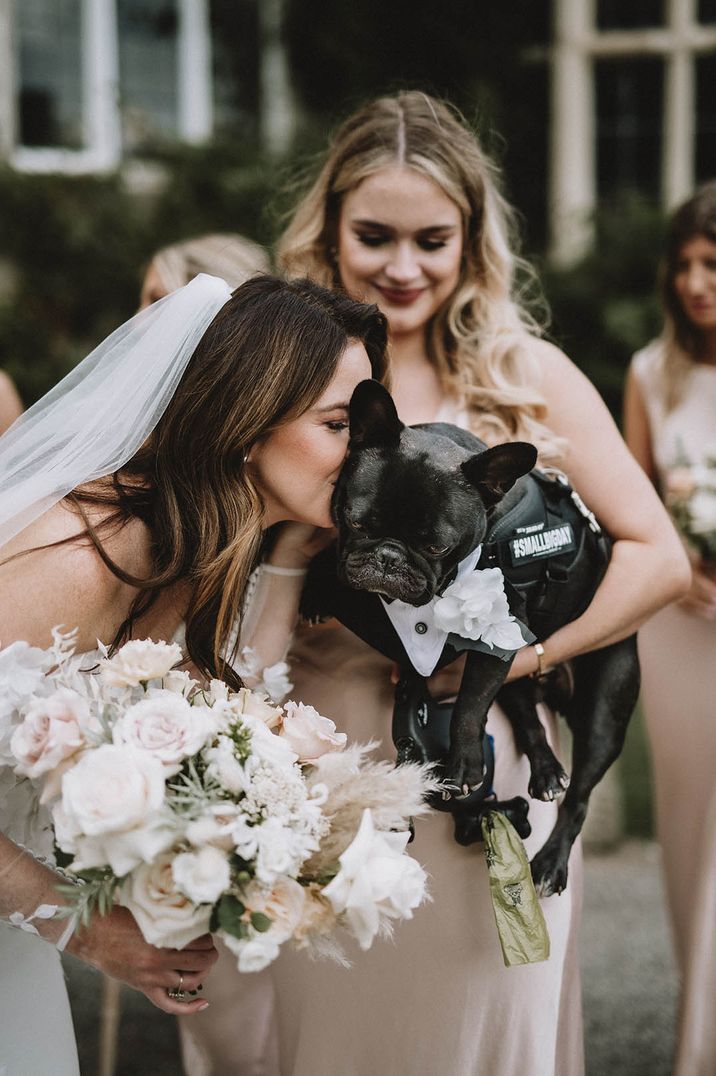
(269, 353)
(480, 341)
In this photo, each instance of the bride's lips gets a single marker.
(400, 296)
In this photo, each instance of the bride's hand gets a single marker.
(297, 543)
(114, 944)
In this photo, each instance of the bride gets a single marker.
(134, 501)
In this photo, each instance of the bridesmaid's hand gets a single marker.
(114, 944)
(701, 598)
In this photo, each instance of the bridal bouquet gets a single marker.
(690, 494)
(206, 809)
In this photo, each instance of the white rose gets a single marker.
(215, 827)
(276, 851)
(309, 734)
(276, 680)
(50, 733)
(165, 725)
(165, 916)
(22, 670)
(268, 747)
(138, 661)
(376, 879)
(203, 875)
(254, 954)
(476, 608)
(180, 682)
(702, 509)
(245, 838)
(112, 789)
(225, 768)
(126, 850)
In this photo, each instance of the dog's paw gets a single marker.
(548, 780)
(549, 873)
(463, 775)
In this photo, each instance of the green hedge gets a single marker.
(75, 248)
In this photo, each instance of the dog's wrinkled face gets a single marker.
(410, 504)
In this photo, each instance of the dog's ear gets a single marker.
(374, 422)
(496, 470)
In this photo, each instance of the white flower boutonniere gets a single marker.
(476, 608)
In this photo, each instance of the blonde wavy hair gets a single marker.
(480, 342)
(682, 340)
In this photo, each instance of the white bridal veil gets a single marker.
(98, 416)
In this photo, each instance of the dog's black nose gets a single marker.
(388, 557)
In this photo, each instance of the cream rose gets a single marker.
(165, 916)
(139, 661)
(283, 904)
(50, 733)
(246, 704)
(203, 875)
(165, 725)
(112, 789)
(309, 734)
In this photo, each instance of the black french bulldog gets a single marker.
(410, 505)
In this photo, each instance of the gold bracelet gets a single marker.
(541, 666)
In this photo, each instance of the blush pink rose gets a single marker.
(50, 733)
(165, 725)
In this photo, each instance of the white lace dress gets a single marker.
(36, 1033)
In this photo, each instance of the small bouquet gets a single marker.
(200, 808)
(690, 496)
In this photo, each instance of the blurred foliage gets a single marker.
(606, 307)
(636, 780)
(74, 249)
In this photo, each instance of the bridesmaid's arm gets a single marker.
(270, 618)
(701, 597)
(648, 567)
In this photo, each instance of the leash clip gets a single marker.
(586, 512)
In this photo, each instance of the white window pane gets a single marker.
(148, 71)
(49, 43)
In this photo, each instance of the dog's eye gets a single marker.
(438, 551)
(355, 525)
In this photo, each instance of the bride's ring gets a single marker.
(176, 993)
